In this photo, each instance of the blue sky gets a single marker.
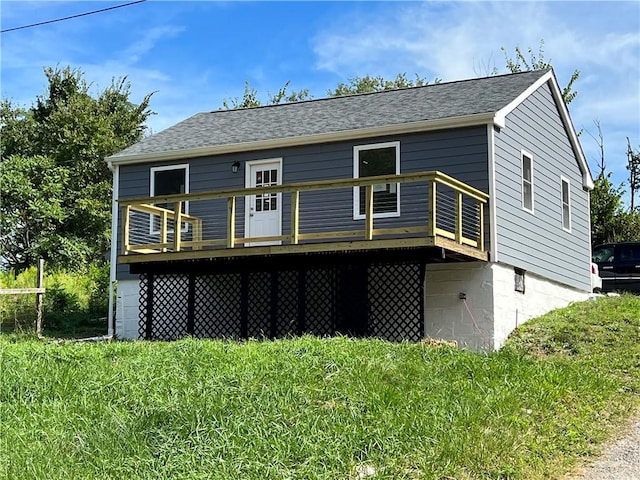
(195, 54)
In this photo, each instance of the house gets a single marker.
(456, 210)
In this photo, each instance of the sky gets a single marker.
(193, 55)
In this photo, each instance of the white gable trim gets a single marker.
(550, 78)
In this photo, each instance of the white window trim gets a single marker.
(152, 189)
(524, 153)
(564, 180)
(356, 174)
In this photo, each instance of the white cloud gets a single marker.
(462, 40)
(148, 40)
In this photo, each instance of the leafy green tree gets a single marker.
(633, 165)
(32, 210)
(606, 210)
(609, 220)
(70, 131)
(520, 63)
(250, 97)
(369, 84)
(353, 86)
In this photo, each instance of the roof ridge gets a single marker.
(363, 94)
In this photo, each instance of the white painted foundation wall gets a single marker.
(127, 309)
(493, 308)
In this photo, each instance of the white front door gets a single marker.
(263, 213)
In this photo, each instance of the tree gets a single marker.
(369, 84)
(353, 86)
(31, 209)
(633, 165)
(250, 97)
(519, 63)
(609, 220)
(69, 132)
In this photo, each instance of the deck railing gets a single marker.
(454, 210)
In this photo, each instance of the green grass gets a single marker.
(313, 408)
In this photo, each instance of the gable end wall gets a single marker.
(537, 242)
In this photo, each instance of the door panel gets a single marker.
(264, 212)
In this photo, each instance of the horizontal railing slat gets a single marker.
(441, 211)
(318, 185)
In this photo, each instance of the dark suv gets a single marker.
(619, 265)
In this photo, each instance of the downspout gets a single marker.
(111, 318)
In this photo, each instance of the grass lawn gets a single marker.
(312, 408)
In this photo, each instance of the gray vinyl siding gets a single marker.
(537, 242)
(461, 153)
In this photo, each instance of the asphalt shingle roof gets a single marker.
(339, 114)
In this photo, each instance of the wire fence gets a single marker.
(21, 308)
(18, 312)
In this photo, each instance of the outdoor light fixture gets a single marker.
(235, 166)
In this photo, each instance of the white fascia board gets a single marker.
(413, 127)
(587, 181)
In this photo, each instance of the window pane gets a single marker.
(258, 204)
(274, 205)
(168, 182)
(526, 168)
(266, 177)
(565, 217)
(274, 176)
(378, 161)
(565, 192)
(603, 254)
(527, 199)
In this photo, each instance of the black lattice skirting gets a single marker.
(376, 300)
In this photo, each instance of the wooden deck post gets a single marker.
(458, 232)
(164, 221)
(368, 226)
(231, 222)
(126, 214)
(295, 216)
(39, 297)
(197, 233)
(177, 226)
(431, 226)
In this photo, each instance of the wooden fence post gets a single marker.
(39, 297)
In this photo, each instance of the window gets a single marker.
(518, 276)
(566, 204)
(527, 182)
(372, 160)
(169, 180)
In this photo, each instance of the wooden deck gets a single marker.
(453, 220)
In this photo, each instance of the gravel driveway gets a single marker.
(620, 460)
